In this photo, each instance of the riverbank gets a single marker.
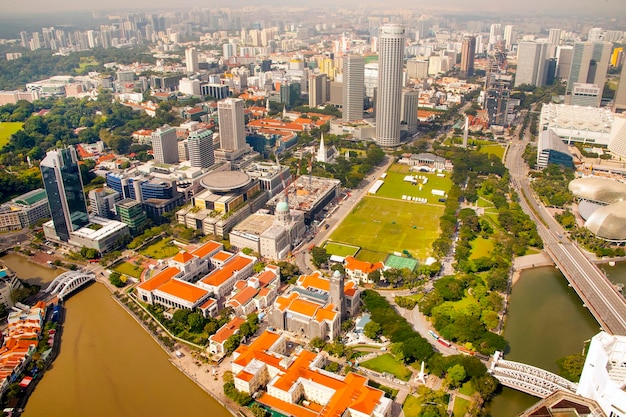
(522, 263)
(206, 377)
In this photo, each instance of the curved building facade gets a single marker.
(601, 190)
(609, 222)
(389, 93)
(606, 214)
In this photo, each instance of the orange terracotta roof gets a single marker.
(222, 256)
(315, 280)
(350, 292)
(247, 352)
(207, 304)
(304, 307)
(159, 279)
(263, 292)
(244, 296)
(220, 276)
(245, 376)
(183, 290)
(183, 257)
(325, 313)
(283, 302)
(366, 267)
(207, 248)
(266, 277)
(227, 330)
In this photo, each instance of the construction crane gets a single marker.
(310, 171)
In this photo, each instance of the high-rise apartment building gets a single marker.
(231, 124)
(165, 145)
(191, 60)
(353, 87)
(389, 90)
(564, 61)
(508, 37)
(64, 188)
(468, 52)
(590, 63)
(200, 145)
(532, 63)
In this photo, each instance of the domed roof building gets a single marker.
(602, 203)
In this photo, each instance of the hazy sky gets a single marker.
(567, 7)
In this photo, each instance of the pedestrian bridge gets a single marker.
(529, 379)
(68, 282)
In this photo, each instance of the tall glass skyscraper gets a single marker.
(353, 87)
(64, 188)
(389, 92)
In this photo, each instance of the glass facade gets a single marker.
(64, 188)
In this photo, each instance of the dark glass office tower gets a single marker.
(64, 188)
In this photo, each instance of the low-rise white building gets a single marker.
(604, 374)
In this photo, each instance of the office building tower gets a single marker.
(165, 145)
(318, 89)
(200, 143)
(410, 102)
(64, 188)
(389, 90)
(231, 124)
(468, 51)
(532, 63)
(590, 63)
(353, 87)
(564, 61)
(554, 38)
(508, 37)
(619, 102)
(191, 60)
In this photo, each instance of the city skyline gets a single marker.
(533, 7)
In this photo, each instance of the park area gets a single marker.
(129, 269)
(162, 249)
(388, 364)
(7, 129)
(383, 226)
(395, 186)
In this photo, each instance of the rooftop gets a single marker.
(225, 181)
(183, 290)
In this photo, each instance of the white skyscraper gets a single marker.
(410, 102)
(165, 145)
(532, 63)
(200, 145)
(389, 91)
(508, 37)
(191, 60)
(228, 50)
(353, 87)
(231, 124)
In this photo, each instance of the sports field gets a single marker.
(395, 187)
(340, 249)
(495, 149)
(7, 129)
(381, 226)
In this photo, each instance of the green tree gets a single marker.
(571, 367)
(258, 411)
(456, 375)
(319, 256)
(372, 330)
(116, 279)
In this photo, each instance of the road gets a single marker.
(606, 304)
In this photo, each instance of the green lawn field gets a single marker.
(339, 249)
(461, 405)
(129, 269)
(494, 149)
(7, 129)
(387, 363)
(381, 226)
(396, 187)
(481, 247)
(161, 249)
